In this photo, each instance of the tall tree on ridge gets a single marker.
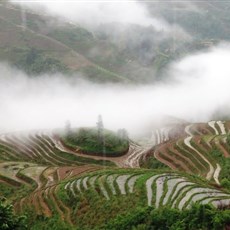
(100, 130)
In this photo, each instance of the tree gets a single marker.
(67, 127)
(100, 133)
(100, 130)
(8, 220)
(34, 62)
(68, 130)
(122, 135)
(225, 183)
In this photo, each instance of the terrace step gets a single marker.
(121, 182)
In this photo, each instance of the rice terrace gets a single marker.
(44, 175)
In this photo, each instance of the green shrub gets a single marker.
(34, 62)
(8, 220)
(203, 217)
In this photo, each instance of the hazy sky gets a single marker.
(198, 85)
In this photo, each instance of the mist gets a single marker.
(132, 27)
(197, 87)
(91, 14)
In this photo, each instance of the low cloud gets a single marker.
(197, 86)
(94, 13)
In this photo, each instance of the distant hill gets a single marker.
(46, 43)
(112, 52)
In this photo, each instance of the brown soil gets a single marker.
(67, 211)
(63, 172)
(81, 170)
(223, 149)
(203, 129)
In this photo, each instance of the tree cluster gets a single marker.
(202, 217)
(8, 220)
(34, 62)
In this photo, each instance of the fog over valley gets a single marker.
(196, 88)
(171, 67)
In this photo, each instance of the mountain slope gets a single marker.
(17, 40)
(114, 52)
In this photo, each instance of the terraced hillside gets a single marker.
(201, 148)
(42, 176)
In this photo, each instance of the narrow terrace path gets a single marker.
(222, 128)
(187, 142)
(212, 125)
(217, 173)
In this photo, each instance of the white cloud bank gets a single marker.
(199, 85)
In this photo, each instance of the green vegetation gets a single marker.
(100, 75)
(43, 223)
(225, 164)
(7, 190)
(51, 223)
(8, 220)
(225, 167)
(34, 62)
(82, 160)
(225, 176)
(87, 141)
(70, 35)
(109, 53)
(13, 193)
(203, 217)
(153, 163)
